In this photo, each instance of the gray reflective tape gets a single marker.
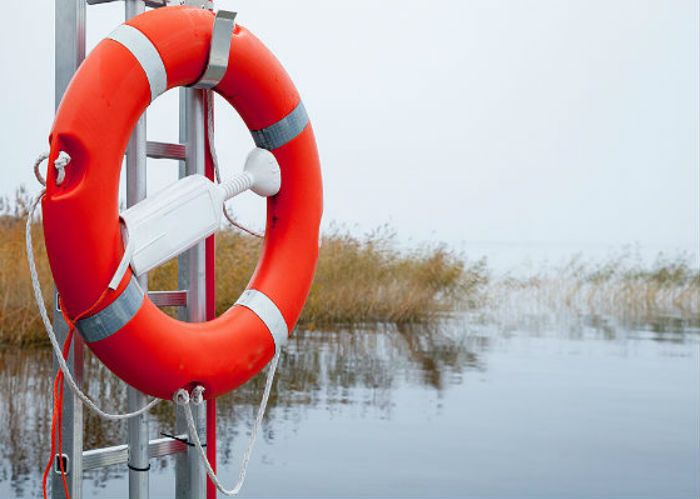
(145, 52)
(268, 312)
(112, 318)
(278, 134)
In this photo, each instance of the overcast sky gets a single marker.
(462, 121)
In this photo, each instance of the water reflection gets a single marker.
(333, 368)
(362, 368)
(24, 409)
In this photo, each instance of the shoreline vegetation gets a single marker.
(359, 280)
(367, 280)
(622, 287)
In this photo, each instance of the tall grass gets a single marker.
(19, 319)
(624, 287)
(364, 280)
(369, 280)
(358, 280)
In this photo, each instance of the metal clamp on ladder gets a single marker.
(218, 50)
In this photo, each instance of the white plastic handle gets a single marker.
(261, 174)
(164, 225)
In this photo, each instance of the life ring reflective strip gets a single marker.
(146, 54)
(268, 312)
(153, 352)
(114, 316)
(117, 314)
(283, 131)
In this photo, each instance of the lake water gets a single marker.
(541, 407)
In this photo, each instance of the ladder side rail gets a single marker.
(136, 189)
(194, 272)
(69, 46)
(190, 472)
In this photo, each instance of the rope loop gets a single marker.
(60, 164)
(185, 400)
(181, 397)
(37, 164)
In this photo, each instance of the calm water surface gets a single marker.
(582, 407)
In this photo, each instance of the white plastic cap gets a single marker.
(263, 166)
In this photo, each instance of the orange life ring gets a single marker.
(150, 350)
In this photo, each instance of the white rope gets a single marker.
(37, 164)
(183, 399)
(60, 164)
(215, 161)
(38, 295)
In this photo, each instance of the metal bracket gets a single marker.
(59, 459)
(219, 50)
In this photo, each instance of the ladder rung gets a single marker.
(168, 298)
(163, 150)
(119, 454)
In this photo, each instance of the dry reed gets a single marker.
(623, 287)
(368, 280)
(358, 280)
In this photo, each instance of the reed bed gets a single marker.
(20, 323)
(623, 287)
(359, 280)
(365, 280)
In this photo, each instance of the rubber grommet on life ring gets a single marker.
(155, 353)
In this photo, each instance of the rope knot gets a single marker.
(181, 397)
(197, 396)
(60, 164)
